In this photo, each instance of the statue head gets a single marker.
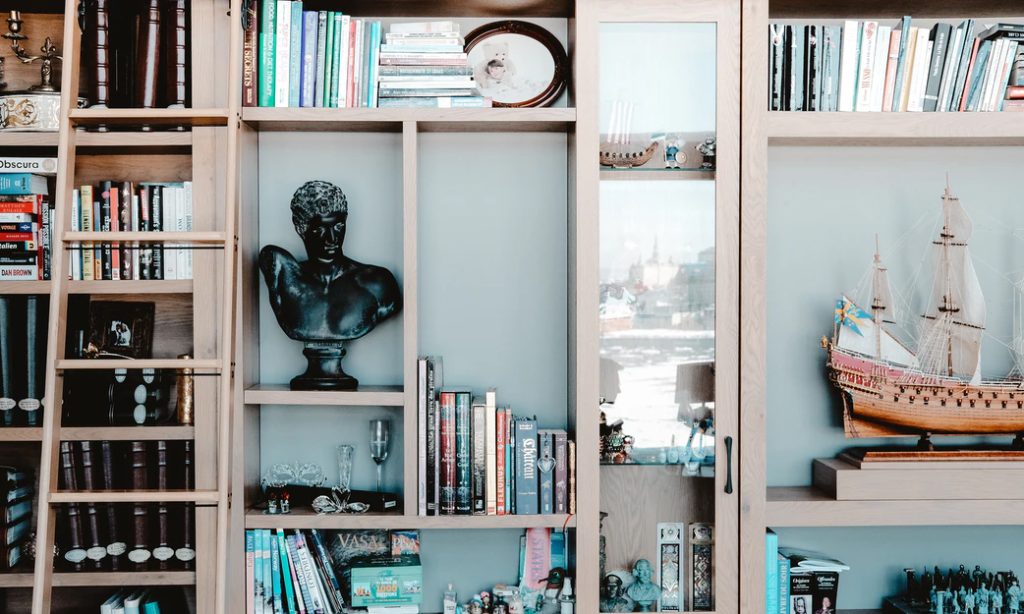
(611, 588)
(320, 213)
(642, 571)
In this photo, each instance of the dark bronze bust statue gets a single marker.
(330, 298)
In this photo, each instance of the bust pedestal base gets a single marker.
(323, 370)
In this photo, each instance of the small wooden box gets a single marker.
(882, 481)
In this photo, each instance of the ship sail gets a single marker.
(955, 319)
(859, 332)
(882, 304)
(1018, 326)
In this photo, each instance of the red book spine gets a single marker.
(249, 93)
(31, 206)
(501, 429)
(447, 452)
(19, 236)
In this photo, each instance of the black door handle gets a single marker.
(728, 465)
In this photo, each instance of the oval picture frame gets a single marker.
(555, 83)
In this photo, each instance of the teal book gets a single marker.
(329, 58)
(268, 571)
(321, 51)
(901, 61)
(286, 576)
(335, 61)
(257, 590)
(965, 64)
(510, 461)
(782, 607)
(268, 43)
(295, 57)
(275, 570)
(151, 607)
(771, 556)
(22, 184)
(463, 458)
(558, 554)
(978, 75)
(526, 456)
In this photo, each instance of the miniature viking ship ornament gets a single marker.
(618, 150)
(890, 389)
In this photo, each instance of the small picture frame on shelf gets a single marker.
(517, 64)
(121, 329)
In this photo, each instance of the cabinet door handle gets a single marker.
(728, 465)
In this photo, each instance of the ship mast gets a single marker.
(947, 305)
(877, 302)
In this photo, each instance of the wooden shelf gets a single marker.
(307, 519)
(124, 578)
(689, 174)
(152, 117)
(880, 9)
(85, 364)
(21, 433)
(146, 237)
(895, 129)
(25, 287)
(127, 433)
(550, 119)
(375, 396)
(130, 286)
(20, 577)
(29, 139)
(807, 507)
(154, 139)
(135, 496)
(450, 8)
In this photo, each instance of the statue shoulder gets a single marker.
(276, 260)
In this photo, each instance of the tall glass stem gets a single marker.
(380, 476)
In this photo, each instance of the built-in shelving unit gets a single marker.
(894, 129)
(552, 119)
(305, 519)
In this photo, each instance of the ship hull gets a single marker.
(881, 399)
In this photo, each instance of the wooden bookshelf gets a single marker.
(124, 578)
(383, 396)
(127, 433)
(894, 129)
(307, 519)
(149, 117)
(29, 139)
(552, 119)
(21, 433)
(130, 286)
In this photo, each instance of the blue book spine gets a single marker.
(978, 77)
(268, 572)
(964, 66)
(336, 55)
(463, 460)
(321, 549)
(295, 55)
(21, 184)
(526, 466)
(321, 58)
(901, 63)
(309, 42)
(151, 607)
(782, 565)
(250, 561)
(258, 592)
(374, 58)
(275, 571)
(546, 472)
(558, 549)
(286, 576)
(771, 555)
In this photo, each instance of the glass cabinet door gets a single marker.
(667, 314)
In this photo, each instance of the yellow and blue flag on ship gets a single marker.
(848, 314)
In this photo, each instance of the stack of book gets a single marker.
(297, 58)
(137, 537)
(294, 572)
(132, 601)
(23, 328)
(26, 212)
(800, 581)
(478, 458)
(866, 66)
(17, 514)
(114, 206)
(424, 64)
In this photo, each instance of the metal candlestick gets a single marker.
(47, 58)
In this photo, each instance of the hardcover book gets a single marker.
(463, 455)
(940, 36)
(446, 452)
(561, 472)
(479, 456)
(527, 481)
(546, 471)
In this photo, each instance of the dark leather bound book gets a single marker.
(97, 551)
(186, 554)
(68, 475)
(249, 69)
(35, 374)
(163, 553)
(175, 54)
(74, 552)
(116, 546)
(96, 52)
(147, 65)
(140, 552)
(7, 394)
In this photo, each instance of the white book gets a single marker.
(878, 74)
(37, 166)
(908, 68)
(132, 603)
(282, 52)
(167, 216)
(919, 78)
(346, 25)
(455, 84)
(848, 66)
(491, 433)
(1003, 76)
(424, 27)
(309, 572)
(115, 600)
(75, 254)
(188, 228)
(949, 71)
(994, 61)
(421, 436)
(866, 68)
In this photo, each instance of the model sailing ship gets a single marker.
(889, 389)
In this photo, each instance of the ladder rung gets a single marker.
(135, 496)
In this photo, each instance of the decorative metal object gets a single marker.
(186, 394)
(702, 593)
(670, 565)
(47, 58)
(330, 298)
(707, 149)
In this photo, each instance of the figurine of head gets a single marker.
(611, 587)
(320, 213)
(642, 571)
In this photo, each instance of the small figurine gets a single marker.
(969, 601)
(485, 599)
(674, 155)
(996, 599)
(500, 606)
(707, 149)
(643, 590)
(612, 597)
(553, 588)
(476, 605)
(515, 602)
(1013, 595)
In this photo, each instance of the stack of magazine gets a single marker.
(800, 581)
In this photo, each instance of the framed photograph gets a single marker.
(517, 64)
(120, 329)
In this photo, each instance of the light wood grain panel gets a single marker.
(660, 11)
(367, 396)
(29, 139)
(166, 141)
(93, 169)
(637, 497)
(551, 119)
(889, 129)
(21, 433)
(207, 364)
(307, 519)
(135, 496)
(151, 117)
(125, 578)
(15, 579)
(410, 335)
(639, 175)
(130, 286)
(126, 433)
(806, 507)
(753, 284)
(25, 287)
(193, 237)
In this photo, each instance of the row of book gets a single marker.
(866, 66)
(290, 573)
(124, 206)
(23, 328)
(138, 536)
(132, 601)
(298, 58)
(26, 215)
(18, 491)
(800, 581)
(478, 458)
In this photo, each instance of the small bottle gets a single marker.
(451, 599)
(566, 602)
